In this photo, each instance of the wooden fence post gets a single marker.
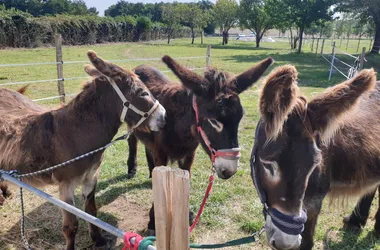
(171, 190)
(208, 56)
(58, 51)
(361, 65)
(323, 45)
(316, 50)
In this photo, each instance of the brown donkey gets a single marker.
(305, 149)
(33, 139)
(215, 97)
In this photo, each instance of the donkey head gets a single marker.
(217, 105)
(286, 149)
(135, 103)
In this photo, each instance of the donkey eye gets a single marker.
(144, 93)
(217, 125)
(268, 167)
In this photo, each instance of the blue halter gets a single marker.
(293, 225)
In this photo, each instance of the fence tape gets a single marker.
(343, 52)
(30, 64)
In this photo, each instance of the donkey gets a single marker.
(204, 110)
(214, 98)
(304, 149)
(33, 138)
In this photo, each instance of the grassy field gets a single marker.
(233, 210)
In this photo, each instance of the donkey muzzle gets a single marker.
(157, 118)
(226, 162)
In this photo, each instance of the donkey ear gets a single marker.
(326, 109)
(91, 70)
(278, 98)
(250, 76)
(198, 84)
(104, 67)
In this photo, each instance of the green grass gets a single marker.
(234, 209)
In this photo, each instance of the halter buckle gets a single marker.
(126, 104)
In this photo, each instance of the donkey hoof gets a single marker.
(191, 217)
(101, 244)
(131, 175)
(151, 232)
(351, 224)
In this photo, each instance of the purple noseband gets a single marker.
(292, 225)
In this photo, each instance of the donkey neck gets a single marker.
(93, 115)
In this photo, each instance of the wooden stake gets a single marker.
(180, 238)
(171, 189)
(162, 206)
(58, 50)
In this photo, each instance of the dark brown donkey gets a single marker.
(216, 96)
(304, 149)
(33, 138)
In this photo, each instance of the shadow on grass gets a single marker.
(350, 240)
(113, 193)
(43, 230)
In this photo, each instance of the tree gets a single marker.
(304, 12)
(226, 16)
(366, 10)
(256, 16)
(171, 16)
(194, 17)
(143, 24)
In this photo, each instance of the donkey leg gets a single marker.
(132, 157)
(187, 162)
(88, 193)
(308, 233)
(359, 216)
(4, 193)
(70, 222)
(377, 223)
(150, 160)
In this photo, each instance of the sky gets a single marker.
(102, 5)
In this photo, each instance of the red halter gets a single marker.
(214, 153)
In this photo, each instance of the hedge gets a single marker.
(19, 29)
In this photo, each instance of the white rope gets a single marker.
(42, 81)
(139, 59)
(30, 64)
(29, 82)
(66, 79)
(343, 52)
(53, 97)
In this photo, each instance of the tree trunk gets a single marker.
(376, 43)
(169, 37)
(301, 36)
(348, 39)
(202, 34)
(258, 39)
(291, 38)
(192, 35)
